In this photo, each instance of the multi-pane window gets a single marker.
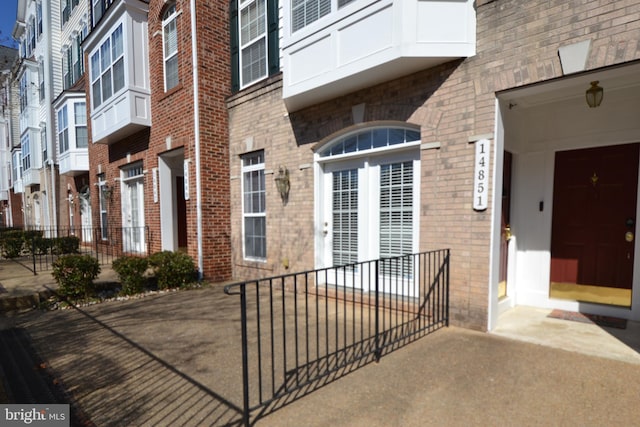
(253, 41)
(80, 115)
(63, 130)
(254, 206)
(25, 149)
(103, 197)
(99, 8)
(32, 33)
(73, 66)
(39, 17)
(107, 68)
(305, 12)
(43, 142)
(170, 47)
(41, 80)
(65, 7)
(24, 92)
(16, 166)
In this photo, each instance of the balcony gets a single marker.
(120, 92)
(30, 177)
(367, 42)
(120, 117)
(74, 162)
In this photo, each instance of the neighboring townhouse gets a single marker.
(157, 121)
(10, 201)
(38, 76)
(70, 118)
(408, 125)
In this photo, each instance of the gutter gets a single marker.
(196, 134)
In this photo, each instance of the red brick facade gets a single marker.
(173, 129)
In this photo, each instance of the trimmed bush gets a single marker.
(12, 244)
(75, 275)
(66, 245)
(173, 269)
(131, 271)
(38, 245)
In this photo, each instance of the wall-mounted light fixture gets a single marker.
(594, 95)
(283, 184)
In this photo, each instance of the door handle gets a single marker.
(507, 233)
(628, 236)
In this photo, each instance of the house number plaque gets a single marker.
(481, 175)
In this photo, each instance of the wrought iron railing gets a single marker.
(302, 330)
(37, 247)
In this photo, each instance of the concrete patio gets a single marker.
(174, 359)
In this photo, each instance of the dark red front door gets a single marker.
(594, 214)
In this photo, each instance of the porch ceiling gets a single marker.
(617, 79)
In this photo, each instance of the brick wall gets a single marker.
(517, 44)
(173, 129)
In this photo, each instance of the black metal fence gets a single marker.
(302, 330)
(37, 248)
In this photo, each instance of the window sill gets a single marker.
(171, 91)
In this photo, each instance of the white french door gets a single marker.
(85, 217)
(369, 210)
(133, 215)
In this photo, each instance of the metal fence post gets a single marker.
(378, 351)
(245, 356)
(33, 253)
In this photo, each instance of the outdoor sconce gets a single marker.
(594, 95)
(107, 191)
(283, 184)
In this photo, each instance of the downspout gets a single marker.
(53, 206)
(196, 133)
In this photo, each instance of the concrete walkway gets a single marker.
(174, 359)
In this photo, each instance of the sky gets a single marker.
(7, 21)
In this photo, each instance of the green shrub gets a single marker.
(66, 245)
(173, 269)
(38, 245)
(12, 245)
(131, 271)
(75, 275)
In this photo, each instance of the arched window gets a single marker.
(370, 139)
(170, 47)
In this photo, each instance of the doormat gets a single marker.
(608, 321)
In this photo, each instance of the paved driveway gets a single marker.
(174, 359)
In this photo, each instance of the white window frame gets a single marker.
(170, 53)
(39, 18)
(105, 61)
(25, 150)
(103, 205)
(249, 212)
(80, 124)
(249, 41)
(63, 130)
(16, 169)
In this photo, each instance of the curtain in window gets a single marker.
(170, 37)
